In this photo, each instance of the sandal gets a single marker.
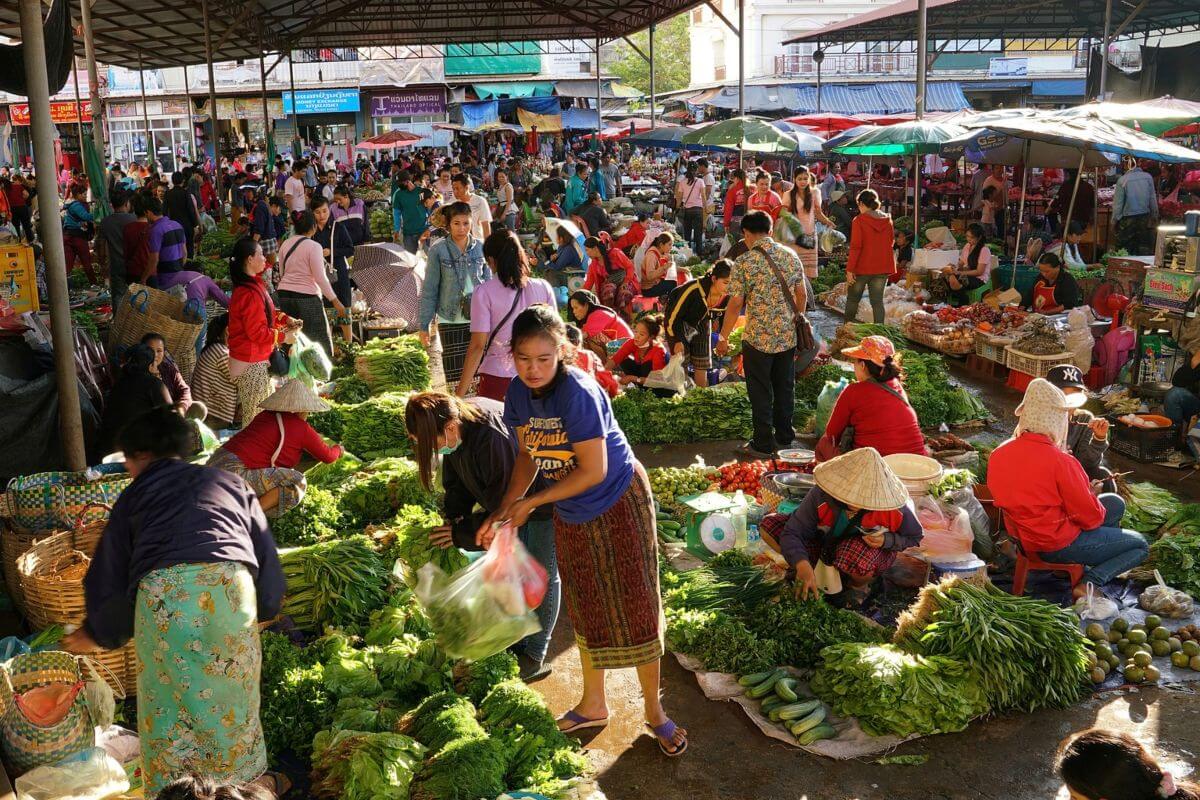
(279, 784)
(580, 722)
(664, 735)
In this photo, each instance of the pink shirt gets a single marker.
(490, 303)
(304, 270)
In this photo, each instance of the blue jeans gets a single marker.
(538, 538)
(412, 243)
(1180, 405)
(1106, 551)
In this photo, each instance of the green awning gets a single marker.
(487, 91)
(621, 90)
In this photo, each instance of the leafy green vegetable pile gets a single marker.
(1177, 559)
(214, 267)
(710, 414)
(338, 582)
(364, 766)
(407, 534)
(933, 395)
(1149, 507)
(84, 320)
(217, 243)
(376, 426)
(810, 384)
(400, 364)
(1184, 521)
(351, 389)
(894, 692)
(1028, 653)
(295, 704)
(317, 518)
(380, 489)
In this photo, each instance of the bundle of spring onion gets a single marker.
(1029, 654)
(393, 365)
(338, 582)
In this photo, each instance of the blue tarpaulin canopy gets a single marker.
(870, 98)
(580, 119)
(487, 91)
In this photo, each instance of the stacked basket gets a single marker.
(54, 597)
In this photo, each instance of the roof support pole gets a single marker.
(1074, 192)
(79, 112)
(652, 94)
(89, 52)
(187, 95)
(212, 110)
(741, 34)
(268, 135)
(599, 92)
(41, 129)
(296, 146)
(150, 153)
(922, 58)
(1104, 48)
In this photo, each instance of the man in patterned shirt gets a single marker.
(769, 341)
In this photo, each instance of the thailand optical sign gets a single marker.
(322, 101)
(66, 113)
(409, 103)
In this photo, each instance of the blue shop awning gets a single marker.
(1060, 88)
(868, 98)
(487, 91)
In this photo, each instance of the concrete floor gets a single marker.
(729, 759)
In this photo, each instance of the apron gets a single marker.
(1043, 296)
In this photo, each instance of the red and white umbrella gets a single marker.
(386, 141)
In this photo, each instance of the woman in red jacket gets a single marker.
(610, 274)
(872, 260)
(735, 204)
(265, 453)
(255, 327)
(1051, 508)
(873, 411)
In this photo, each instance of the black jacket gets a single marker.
(343, 246)
(178, 205)
(476, 474)
(687, 307)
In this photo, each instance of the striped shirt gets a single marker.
(212, 384)
(167, 240)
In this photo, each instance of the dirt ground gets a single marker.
(729, 759)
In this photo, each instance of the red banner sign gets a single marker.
(61, 113)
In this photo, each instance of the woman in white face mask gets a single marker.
(1050, 506)
(477, 460)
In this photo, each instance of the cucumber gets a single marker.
(799, 710)
(771, 702)
(773, 715)
(756, 678)
(786, 689)
(670, 525)
(808, 723)
(767, 686)
(822, 731)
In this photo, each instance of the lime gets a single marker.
(1142, 659)
(1137, 637)
(1120, 624)
(1134, 674)
(1160, 634)
(1175, 644)
(1153, 621)
(1114, 635)
(1151, 674)
(1092, 659)
(1104, 650)
(1123, 646)
(1098, 675)
(1160, 648)
(1179, 660)
(1194, 663)
(1191, 648)
(1095, 632)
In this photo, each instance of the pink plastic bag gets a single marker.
(512, 575)
(947, 529)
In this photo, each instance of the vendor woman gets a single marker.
(854, 520)
(605, 539)
(267, 451)
(1056, 290)
(186, 567)
(642, 354)
(1087, 436)
(600, 324)
(476, 455)
(874, 410)
(973, 268)
(1050, 507)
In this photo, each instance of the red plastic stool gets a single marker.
(1026, 563)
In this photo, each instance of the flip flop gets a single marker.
(667, 731)
(280, 783)
(580, 722)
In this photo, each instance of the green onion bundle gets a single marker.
(338, 582)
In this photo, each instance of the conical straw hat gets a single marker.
(294, 396)
(861, 479)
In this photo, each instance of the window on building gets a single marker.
(698, 15)
(325, 54)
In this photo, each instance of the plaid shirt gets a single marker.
(766, 308)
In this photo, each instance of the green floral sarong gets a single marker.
(197, 641)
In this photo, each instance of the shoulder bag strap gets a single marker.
(492, 336)
(279, 448)
(283, 263)
(889, 390)
(787, 291)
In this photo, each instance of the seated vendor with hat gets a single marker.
(854, 520)
(1087, 435)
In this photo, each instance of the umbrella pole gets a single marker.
(1074, 192)
(916, 196)
(1020, 217)
(870, 169)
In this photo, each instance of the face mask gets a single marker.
(448, 449)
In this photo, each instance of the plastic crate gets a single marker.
(456, 338)
(1034, 365)
(1147, 445)
(991, 347)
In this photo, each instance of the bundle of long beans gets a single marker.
(339, 582)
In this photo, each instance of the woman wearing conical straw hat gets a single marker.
(849, 527)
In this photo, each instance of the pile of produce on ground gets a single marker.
(217, 243)
(810, 384)
(935, 397)
(380, 223)
(779, 702)
(669, 484)
(718, 413)
(1177, 560)
(850, 333)
(372, 427)
(1139, 644)
(1149, 507)
(398, 364)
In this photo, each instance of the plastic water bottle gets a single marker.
(740, 509)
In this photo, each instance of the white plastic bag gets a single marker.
(947, 530)
(95, 777)
(673, 376)
(488, 606)
(1163, 600)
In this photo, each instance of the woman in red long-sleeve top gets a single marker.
(874, 408)
(872, 260)
(735, 203)
(266, 452)
(255, 327)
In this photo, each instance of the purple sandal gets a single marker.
(666, 733)
(580, 722)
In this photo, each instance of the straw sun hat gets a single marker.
(294, 396)
(861, 479)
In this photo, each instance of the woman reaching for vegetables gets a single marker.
(564, 429)
(854, 520)
(477, 461)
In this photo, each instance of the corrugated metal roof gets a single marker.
(875, 98)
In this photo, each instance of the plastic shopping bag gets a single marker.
(673, 376)
(947, 531)
(825, 402)
(488, 606)
(96, 776)
(981, 526)
(309, 362)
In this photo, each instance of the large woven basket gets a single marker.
(50, 601)
(14, 541)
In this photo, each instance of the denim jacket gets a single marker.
(444, 289)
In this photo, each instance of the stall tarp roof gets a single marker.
(486, 91)
(967, 21)
(609, 89)
(580, 119)
(872, 98)
(172, 34)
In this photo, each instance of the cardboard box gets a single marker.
(1168, 288)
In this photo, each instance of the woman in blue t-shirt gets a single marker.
(607, 547)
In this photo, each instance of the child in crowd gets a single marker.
(589, 362)
(987, 211)
(904, 255)
(642, 354)
(1100, 763)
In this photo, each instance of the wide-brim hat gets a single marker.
(862, 479)
(294, 396)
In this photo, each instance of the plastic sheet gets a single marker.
(96, 776)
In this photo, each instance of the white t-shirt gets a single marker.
(481, 212)
(295, 187)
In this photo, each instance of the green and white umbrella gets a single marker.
(752, 134)
(1154, 117)
(917, 137)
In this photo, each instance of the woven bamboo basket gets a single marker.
(53, 600)
(14, 541)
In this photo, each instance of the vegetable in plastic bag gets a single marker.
(1166, 602)
(825, 402)
(489, 605)
(96, 776)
